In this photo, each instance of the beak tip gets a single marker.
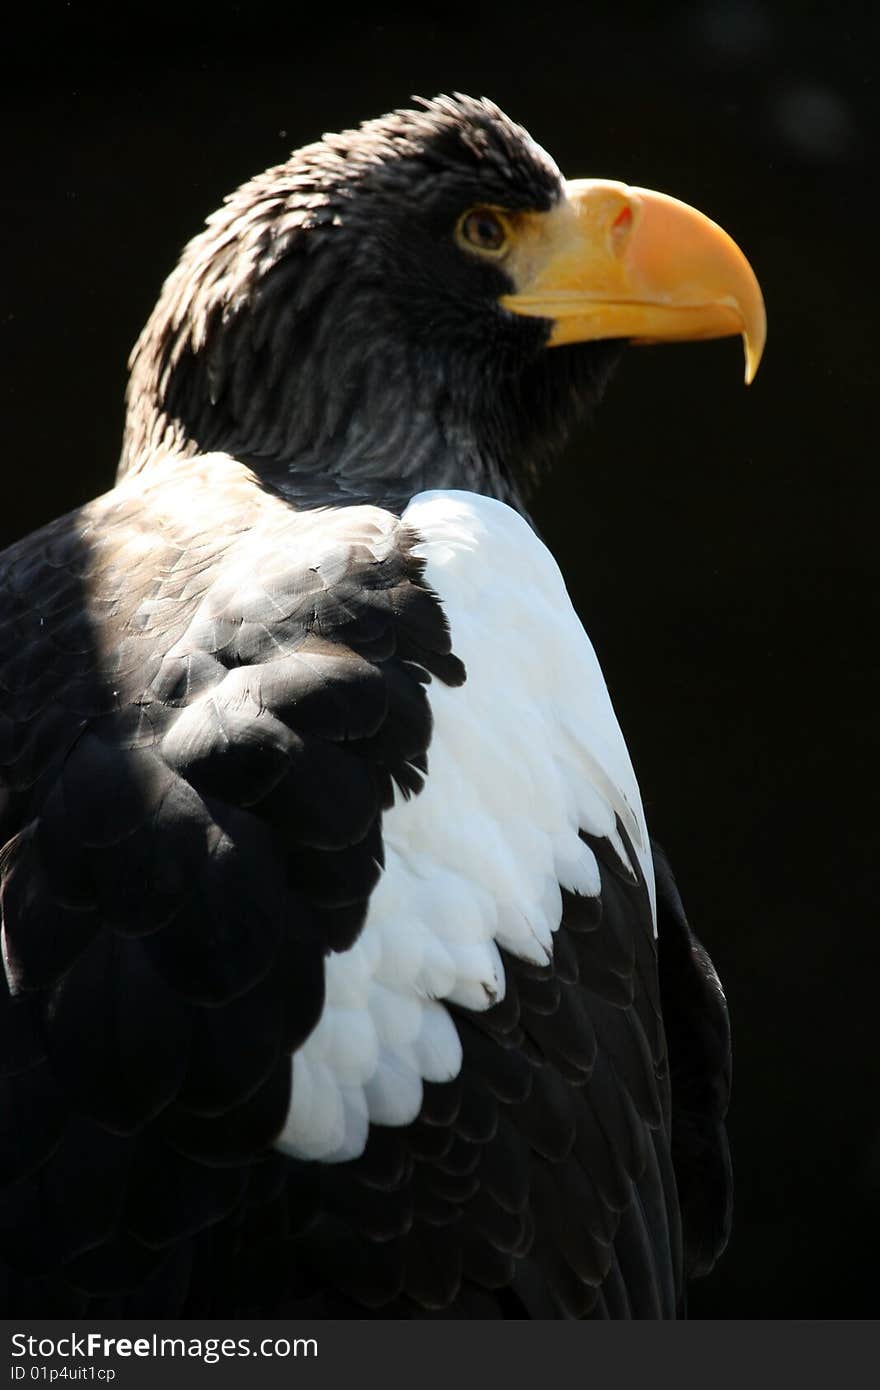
(754, 351)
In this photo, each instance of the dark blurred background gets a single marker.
(720, 544)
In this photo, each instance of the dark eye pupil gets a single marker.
(484, 230)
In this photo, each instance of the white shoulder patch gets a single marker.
(523, 755)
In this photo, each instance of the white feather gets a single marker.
(523, 755)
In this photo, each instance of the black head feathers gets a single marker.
(326, 328)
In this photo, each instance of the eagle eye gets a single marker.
(483, 229)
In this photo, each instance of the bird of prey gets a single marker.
(340, 975)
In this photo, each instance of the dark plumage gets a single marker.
(258, 344)
(215, 682)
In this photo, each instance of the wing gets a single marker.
(537, 1181)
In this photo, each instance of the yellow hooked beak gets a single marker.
(611, 261)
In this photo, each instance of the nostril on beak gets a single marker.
(620, 229)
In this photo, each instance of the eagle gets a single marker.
(341, 976)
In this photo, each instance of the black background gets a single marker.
(720, 544)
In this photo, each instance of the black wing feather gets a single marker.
(698, 1033)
